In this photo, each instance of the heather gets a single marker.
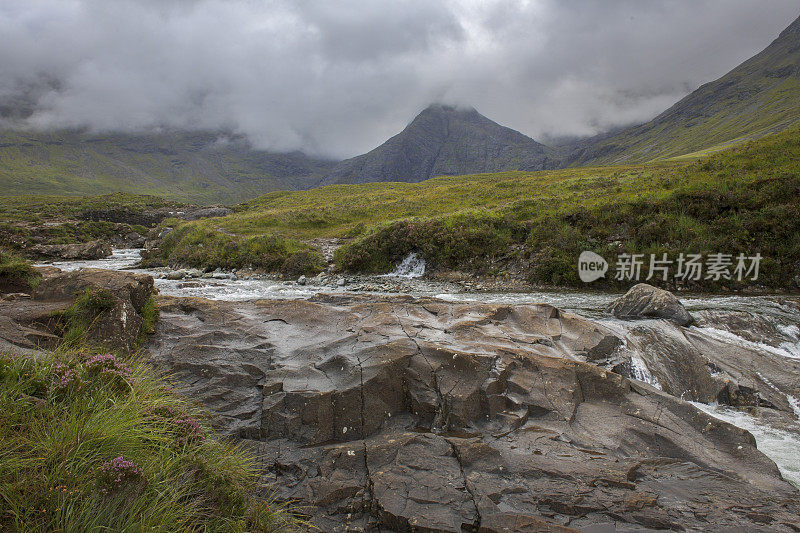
(92, 441)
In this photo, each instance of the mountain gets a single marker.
(444, 140)
(760, 96)
(195, 167)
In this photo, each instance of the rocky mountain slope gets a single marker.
(760, 96)
(445, 140)
(195, 167)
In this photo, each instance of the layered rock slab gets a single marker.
(397, 414)
(32, 322)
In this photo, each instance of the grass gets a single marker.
(17, 273)
(76, 321)
(67, 417)
(29, 220)
(47, 208)
(96, 441)
(202, 245)
(535, 224)
(150, 315)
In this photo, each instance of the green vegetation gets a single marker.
(16, 273)
(188, 167)
(76, 321)
(96, 443)
(150, 315)
(48, 208)
(745, 199)
(201, 245)
(29, 220)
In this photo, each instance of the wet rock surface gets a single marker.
(29, 322)
(395, 414)
(70, 252)
(646, 301)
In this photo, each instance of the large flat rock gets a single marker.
(397, 414)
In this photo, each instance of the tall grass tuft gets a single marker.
(94, 443)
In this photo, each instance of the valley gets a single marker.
(461, 330)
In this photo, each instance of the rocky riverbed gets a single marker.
(452, 411)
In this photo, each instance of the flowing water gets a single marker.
(413, 266)
(781, 444)
(778, 444)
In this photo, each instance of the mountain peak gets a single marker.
(444, 140)
(439, 108)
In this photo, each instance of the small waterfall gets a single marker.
(413, 266)
(640, 371)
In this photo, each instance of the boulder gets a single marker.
(646, 301)
(175, 275)
(397, 414)
(29, 324)
(71, 252)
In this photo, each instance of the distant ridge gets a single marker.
(198, 167)
(760, 96)
(444, 140)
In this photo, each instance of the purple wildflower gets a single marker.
(187, 429)
(64, 378)
(109, 368)
(118, 472)
(106, 364)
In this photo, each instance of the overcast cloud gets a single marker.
(339, 77)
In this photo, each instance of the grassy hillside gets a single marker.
(760, 96)
(190, 167)
(534, 224)
(51, 208)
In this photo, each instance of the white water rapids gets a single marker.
(413, 266)
(782, 445)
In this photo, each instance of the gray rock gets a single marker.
(395, 414)
(646, 301)
(341, 282)
(70, 252)
(206, 212)
(175, 275)
(33, 323)
(194, 273)
(302, 280)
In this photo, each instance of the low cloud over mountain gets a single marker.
(337, 78)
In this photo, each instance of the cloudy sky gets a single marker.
(339, 77)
